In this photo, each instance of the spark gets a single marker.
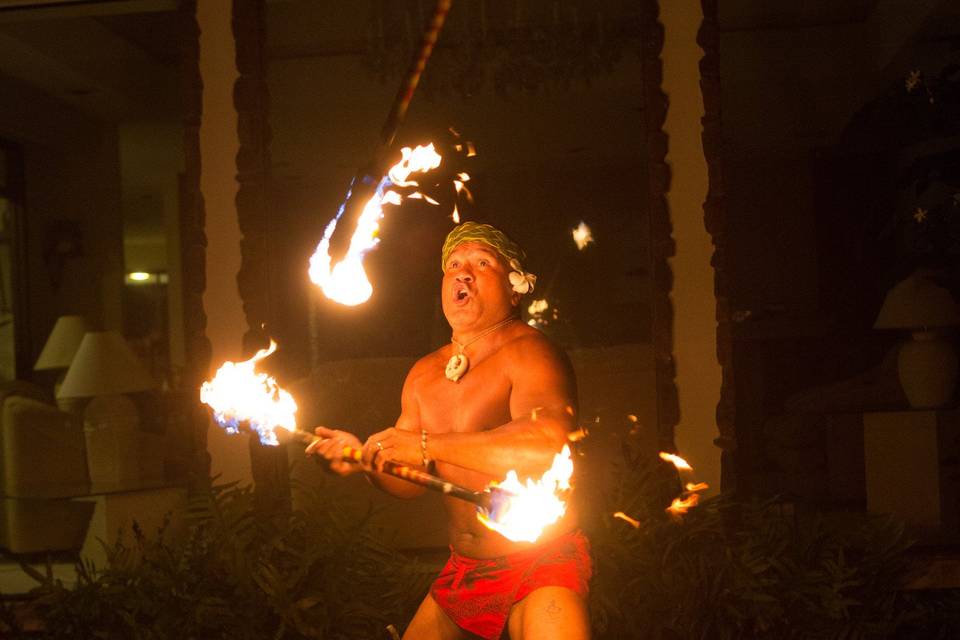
(677, 461)
(582, 236)
(631, 521)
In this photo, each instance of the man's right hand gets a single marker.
(330, 447)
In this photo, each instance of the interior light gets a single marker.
(139, 276)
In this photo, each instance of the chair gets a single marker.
(44, 464)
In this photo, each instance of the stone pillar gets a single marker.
(229, 455)
(698, 373)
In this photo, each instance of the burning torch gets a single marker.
(243, 399)
(369, 178)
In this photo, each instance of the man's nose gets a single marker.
(464, 276)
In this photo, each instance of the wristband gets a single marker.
(423, 448)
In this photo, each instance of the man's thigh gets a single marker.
(554, 613)
(431, 623)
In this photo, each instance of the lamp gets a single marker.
(61, 344)
(104, 369)
(926, 364)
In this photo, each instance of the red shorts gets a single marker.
(477, 594)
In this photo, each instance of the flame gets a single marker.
(582, 235)
(527, 509)
(347, 282)
(677, 461)
(239, 394)
(699, 486)
(682, 505)
(631, 521)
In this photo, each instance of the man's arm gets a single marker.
(542, 401)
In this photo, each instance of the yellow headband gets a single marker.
(485, 233)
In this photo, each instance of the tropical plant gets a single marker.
(726, 569)
(729, 569)
(315, 574)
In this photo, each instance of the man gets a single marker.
(499, 397)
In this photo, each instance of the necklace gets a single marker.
(459, 363)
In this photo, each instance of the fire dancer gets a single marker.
(499, 397)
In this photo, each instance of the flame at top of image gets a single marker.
(521, 511)
(238, 394)
(346, 282)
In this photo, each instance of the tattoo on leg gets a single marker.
(553, 611)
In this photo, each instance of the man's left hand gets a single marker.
(394, 444)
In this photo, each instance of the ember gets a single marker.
(582, 236)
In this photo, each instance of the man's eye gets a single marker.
(483, 263)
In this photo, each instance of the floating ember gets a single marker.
(677, 461)
(631, 521)
(582, 236)
(239, 395)
(346, 281)
(527, 509)
(681, 505)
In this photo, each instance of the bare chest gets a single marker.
(480, 400)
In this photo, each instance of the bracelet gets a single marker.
(423, 448)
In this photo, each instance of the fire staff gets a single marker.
(500, 396)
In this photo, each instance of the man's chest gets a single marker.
(480, 400)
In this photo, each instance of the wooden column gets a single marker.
(193, 243)
(714, 218)
(269, 465)
(657, 181)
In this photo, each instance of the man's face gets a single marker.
(476, 292)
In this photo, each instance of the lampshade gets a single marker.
(62, 343)
(104, 365)
(916, 303)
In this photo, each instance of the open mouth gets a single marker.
(460, 295)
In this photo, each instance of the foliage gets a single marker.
(735, 570)
(725, 570)
(316, 574)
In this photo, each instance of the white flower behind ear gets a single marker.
(521, 281)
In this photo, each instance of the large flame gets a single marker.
(528, 508)
(238, 394)
(346, 282)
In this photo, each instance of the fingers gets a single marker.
(330, 447)
(325, 432)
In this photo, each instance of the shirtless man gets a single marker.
(504, 403)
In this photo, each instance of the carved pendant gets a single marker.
(456, 367)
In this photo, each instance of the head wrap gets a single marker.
(488, 235)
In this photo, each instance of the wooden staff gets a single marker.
(485, 499)
(364, 184)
